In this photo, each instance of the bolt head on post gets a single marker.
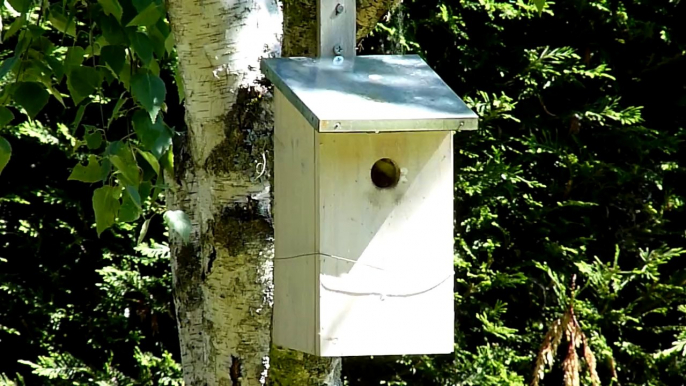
(337, 49)
(340, 8)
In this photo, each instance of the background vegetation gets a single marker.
(575, 170)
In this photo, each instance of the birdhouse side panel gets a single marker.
(385, 243)
(295, 264)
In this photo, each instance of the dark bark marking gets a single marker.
(210, 260)
(235, 371)
(247, 135)
(188, 276)
(238, 225)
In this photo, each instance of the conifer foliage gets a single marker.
(577, 170)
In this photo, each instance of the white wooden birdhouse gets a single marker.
(363, 205)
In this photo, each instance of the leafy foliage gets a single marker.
(103, 60)
(77, 309)
(575, 170)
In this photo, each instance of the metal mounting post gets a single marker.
(336, 28)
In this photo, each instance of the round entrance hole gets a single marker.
(385, 173)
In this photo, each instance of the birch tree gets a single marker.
(223, 275)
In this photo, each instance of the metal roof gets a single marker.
(369, 94)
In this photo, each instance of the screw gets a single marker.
(337, 49)
(339, 9)
(337, 126)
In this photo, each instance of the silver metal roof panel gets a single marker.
(369, 94)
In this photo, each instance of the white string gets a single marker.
(382, 294)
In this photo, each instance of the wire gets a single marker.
(380, 293)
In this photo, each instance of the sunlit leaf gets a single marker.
(144, 231)
(150, 159)
(127, 169)
(148, 16)
(106, 206)
(62, 23)
(179, 222)
(111, 7)
(93, 172)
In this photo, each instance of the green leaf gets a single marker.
(158, 41)
(179, 86)
(62, 23)
(112, 7)
(78, 117)
(156, 138)
(150, 159)
(144, 190)
(167, 161)
(81, 82)
(142, 46)
(125, 75)
(15, 27)
(144, 231)
(5, 153)
(157, 191)
(116, 148)
(169, 43)
(154, 67)
(8, 65)
(128, 212)
(94, 140)
(31, 96)
(56, 66)
(114, 57)
(6, 116)
(540, 4)
(74, 56)
(149, 91)
(111, 30)
(128, 170)
(106, 206)
(135, 196)
(90, 173)
(141, 5)
(179, 222)
(148, 16)
(117, 107)
(21, 6)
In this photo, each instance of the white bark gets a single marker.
(222, 279)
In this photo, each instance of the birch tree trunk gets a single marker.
(222, 278)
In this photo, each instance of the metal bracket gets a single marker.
(336, 28)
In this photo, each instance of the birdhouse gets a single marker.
(363, 205)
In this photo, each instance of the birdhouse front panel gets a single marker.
(386, 243)
(363, 214)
